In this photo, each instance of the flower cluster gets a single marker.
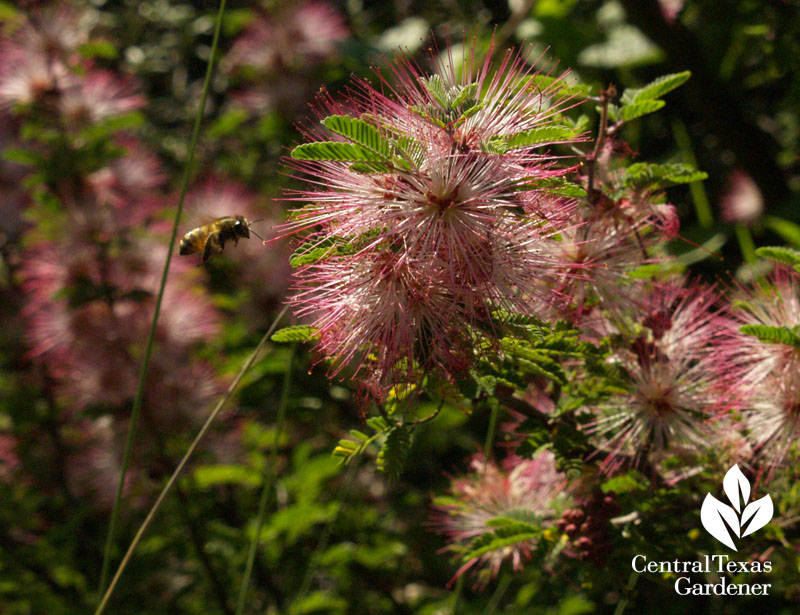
(771, 371)
(528, 490)
(444, 213)
(90, 267)
(670, 371)
(271, 57)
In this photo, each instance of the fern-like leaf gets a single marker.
(394, 451)
(655, 89)
(295, 333)
(336, 151)
(773, 335)
(780, 254)
(638, 109)
(361, 132)
(642, 175)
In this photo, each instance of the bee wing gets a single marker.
(212, 247)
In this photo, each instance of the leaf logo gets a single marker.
(719, 519)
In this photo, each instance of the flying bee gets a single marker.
(210, 238)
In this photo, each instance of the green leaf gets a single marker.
(226, 124)
(313, 252)
(625, 483)
(645, 272)
(780, 254)
(22, 156)
(435, 85)
(638, 109)
(642, 175)
(98, 49)
(655, 89)
(559, 186)
(394, 452)
(789, 231)
(336, 150)
(552, 86)
(7, 11)
(211, 476)
(773, 335)
(369, 168)
(360, 132)
(468, 91)
(295, 333)
(317, 603)
(537, 136)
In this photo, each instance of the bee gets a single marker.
(210, 238)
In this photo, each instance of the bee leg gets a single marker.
(212, 247)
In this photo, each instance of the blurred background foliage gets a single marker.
(337, 539)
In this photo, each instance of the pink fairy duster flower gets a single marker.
(129, 183)
(55, 31)
(98, 95)
(603, 257)
(295, 36)
(671, 9)
(28, 77)
(86, 313)
(444, 232)
(382, 317)
(742, 201)
(92, 466)
(671, 373)
(771, 370)
(531, 490)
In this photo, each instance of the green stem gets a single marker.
(702, 207)
(267, 488)
(623, 603)
(494, 601)
(746, 243)
(172, 479)
(137, 403)
(487, 447)
(457, 593)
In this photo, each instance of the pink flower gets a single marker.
(98, 95)
(129, 183)
(444, 235)
(771, 370)
(670, 376)
(302, 33)
(28, 77)
(86, 314)
(743, 201)
(530, 490)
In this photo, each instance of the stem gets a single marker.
(623, 603)
(172, 479)
(137, 403)
(487, 446)
(267, 488)
(702, 207)
(746, 244)
(591, 161)
(457, 594)
(494, 601)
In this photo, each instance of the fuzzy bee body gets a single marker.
(210, 238)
